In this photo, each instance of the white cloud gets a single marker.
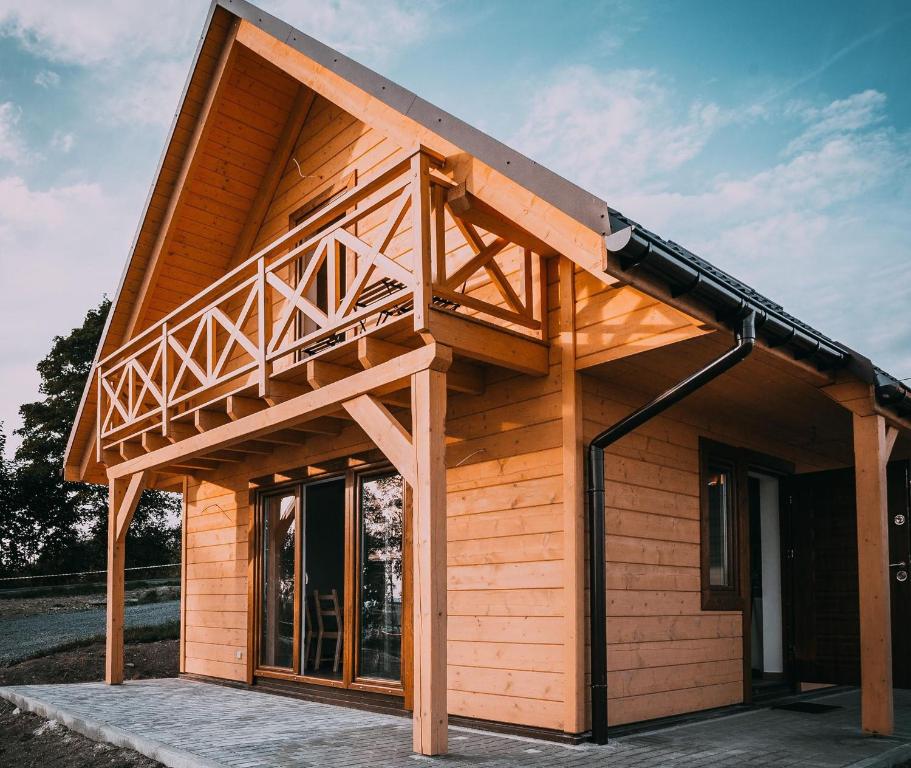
(615, 131)
(12, 146)
(62, 142)
(47, 78)
(92, 32)
(146, 96)
(140, 58)
(857, 112)
(360, 28)
(60, 249)
(822, 228)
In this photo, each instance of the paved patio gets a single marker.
(187, 724)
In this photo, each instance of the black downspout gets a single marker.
(745, 339)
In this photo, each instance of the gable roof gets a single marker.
(623, 241)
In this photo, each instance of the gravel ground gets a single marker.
(27, 636)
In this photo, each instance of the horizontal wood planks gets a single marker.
(666, 655)
(230, 163)
(617, 321)
(505, 549)
(215, 599)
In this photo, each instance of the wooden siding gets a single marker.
(505, 549)
(614, 321)
(666, 655)
(215, 592)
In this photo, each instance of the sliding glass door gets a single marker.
(332, 581)
(323, 591)
(382, 530)
(279, 555)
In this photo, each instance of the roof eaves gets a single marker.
(682, 272)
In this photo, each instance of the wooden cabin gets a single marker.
(373, 348)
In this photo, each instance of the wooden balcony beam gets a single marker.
(321, 373)
(196, 464)
(238, 406)
(284, 437)
(461, 377)
(488, 344)
(254, 447)
(469, 208)
(178, 430)
(229, 455)
(388, 377)
(206, 419)
(325, 425)
(130, 449)
(152, 441)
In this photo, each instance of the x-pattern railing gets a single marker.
(231, 335)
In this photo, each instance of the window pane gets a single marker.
(382, 521)
(721, 527)
(322, 634)
(277, 640)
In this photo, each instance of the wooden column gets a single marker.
(574, 717)
(123, 496)
(420, 228)
(428, 404)
(870, 457)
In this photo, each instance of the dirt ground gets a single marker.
(86, 664)
(13, 607)
(27, 740)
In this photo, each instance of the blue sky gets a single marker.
(772, 138)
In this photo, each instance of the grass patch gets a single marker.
(59, 590)
(170, 630)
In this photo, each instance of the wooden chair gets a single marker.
(308, 633)
(327, 606)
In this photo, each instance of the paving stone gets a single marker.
(248, 729)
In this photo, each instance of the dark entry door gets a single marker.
(899, 493)
(824, 609)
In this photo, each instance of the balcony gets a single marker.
(390, 260)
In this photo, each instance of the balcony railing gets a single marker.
(348, 270)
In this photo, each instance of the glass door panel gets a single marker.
(323, 631)
(380, 604)
(278, 588)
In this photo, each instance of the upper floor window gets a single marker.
(318, 293)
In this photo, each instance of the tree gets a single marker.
(68, 521)
(14, 555)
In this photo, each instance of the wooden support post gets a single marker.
(438, 233)
(431, 721)
(574, 710)
(263, 328)
(123, 496)
(98, 416)
(870, 457)
(165, 381)
(420, 224)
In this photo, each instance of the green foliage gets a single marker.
(14, 552)
(57, 525)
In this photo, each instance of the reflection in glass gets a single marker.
(323, 524)
(721, 526)
(382, 528)
(277, 641)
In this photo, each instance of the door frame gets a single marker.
(743, 461)
(763, 464)
(349, 680)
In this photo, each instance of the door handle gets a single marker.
(897, 565)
